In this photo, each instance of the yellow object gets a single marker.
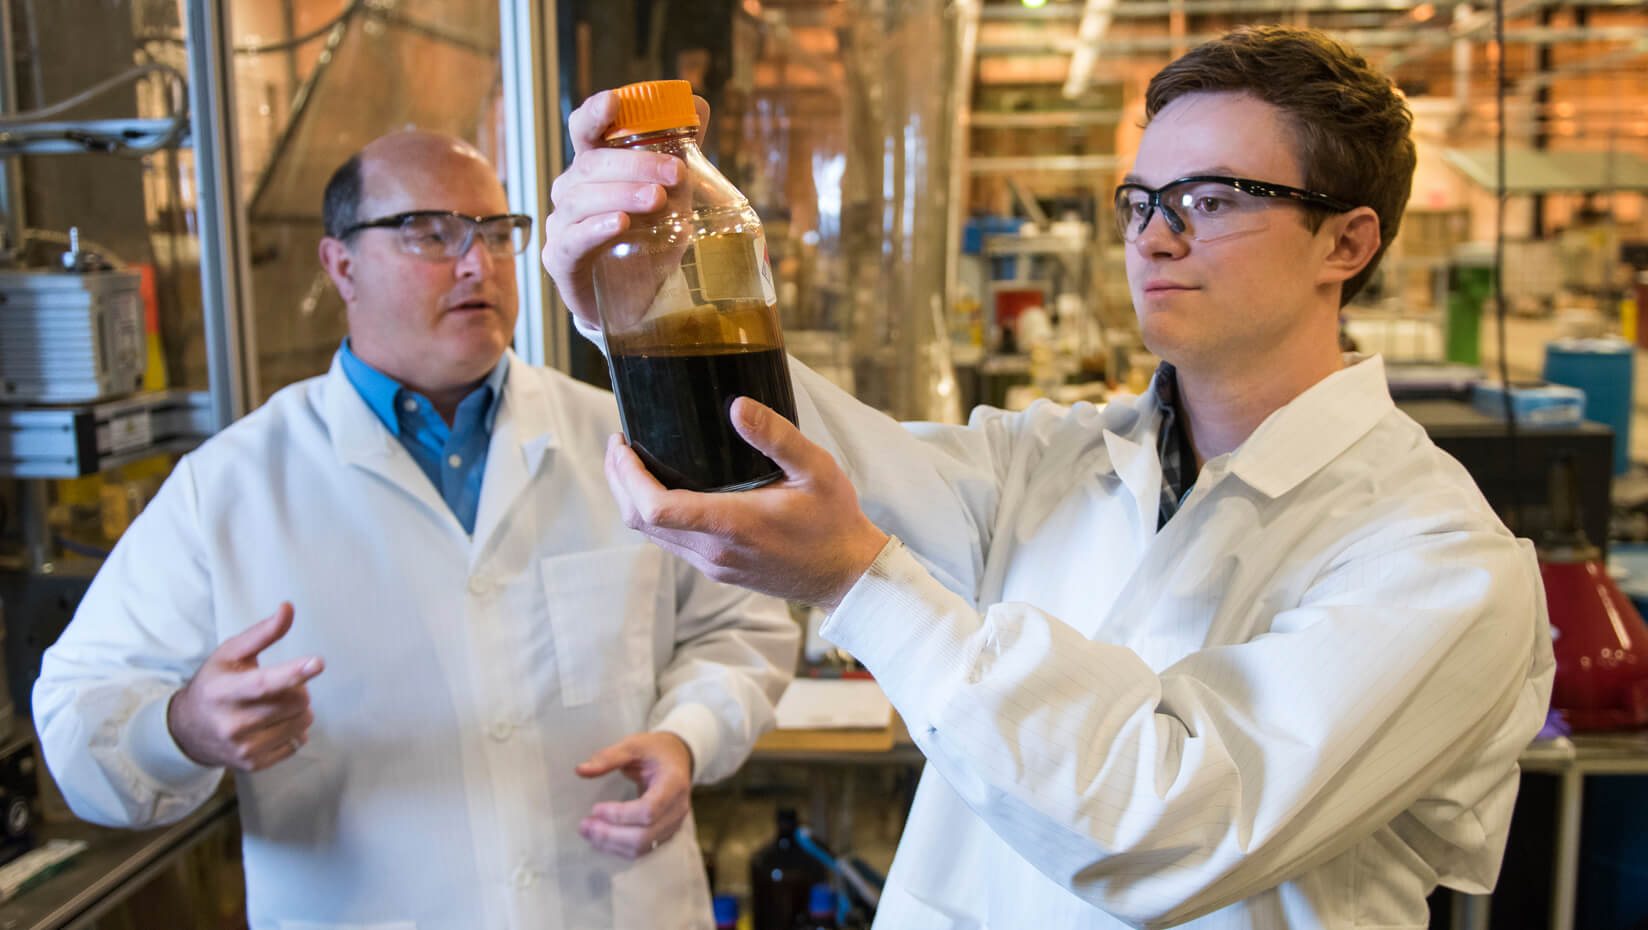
(1628, 319)
(652, 106)
(84, 491)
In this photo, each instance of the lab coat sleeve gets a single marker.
(734, 655)
(935, 486)
(1160, 798)
(143, 628)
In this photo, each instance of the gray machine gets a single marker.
(69, 337)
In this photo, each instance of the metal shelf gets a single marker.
(1036, 245)
(1043, 119)
(114, 136)
(82, 439)
(1009, 164)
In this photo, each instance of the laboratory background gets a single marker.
(935, 183)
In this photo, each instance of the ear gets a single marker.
(339, 263)
(1355, 240)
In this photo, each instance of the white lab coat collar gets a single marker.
(525, 429)
(1314, 428)
(1131, 443)
(1293, 443)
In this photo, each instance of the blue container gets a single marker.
(1002, 267)
(1534, 405)
(1602, 368)
(726, 911)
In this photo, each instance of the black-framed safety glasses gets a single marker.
(441, 235)
(1210, 206)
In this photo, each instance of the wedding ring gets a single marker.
(296, 745)
(654, 844)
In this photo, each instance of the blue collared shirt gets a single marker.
(453, 457)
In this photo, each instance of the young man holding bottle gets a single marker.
(1247, 651)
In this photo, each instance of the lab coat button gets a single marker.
(479, 586)
(501, 730)
(524, 877)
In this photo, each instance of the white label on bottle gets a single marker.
(767, 290)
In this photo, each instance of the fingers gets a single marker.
(626, 842)
(245, 645)
(641, 499)
(634, 828)
(625, 168)
(618, 479)
(655, 805)
(276, 744)
(609, 759)
(589, 122)
(601, 199)
(567, 244)
(264, 684)
(661, 764)
(703, 108)
(694, 524)
(776, 438)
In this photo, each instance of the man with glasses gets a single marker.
(480, 700)
(1247, 651)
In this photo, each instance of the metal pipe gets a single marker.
(231, 358)
(531, 159)
(1363, 38)
(967, 38)
(11, 169)
(1152, 9)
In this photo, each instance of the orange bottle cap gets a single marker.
(653, 106)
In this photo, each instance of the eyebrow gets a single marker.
(1132, 178)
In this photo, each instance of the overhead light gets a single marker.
(1034, 4)
(1423, 12)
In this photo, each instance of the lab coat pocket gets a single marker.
(603, 607)
(294, 802)
(666, 889)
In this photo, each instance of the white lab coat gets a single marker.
(465, 677)
(1298, 705)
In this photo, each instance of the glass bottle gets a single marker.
(688, 309)
(781, 878)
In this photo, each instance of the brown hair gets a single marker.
(1350, 124)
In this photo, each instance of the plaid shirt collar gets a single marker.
(1172, 448)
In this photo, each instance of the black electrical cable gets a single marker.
(1500, 195)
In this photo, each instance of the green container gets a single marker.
(1468, 287)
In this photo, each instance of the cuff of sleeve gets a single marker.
(149, 744)
(905, 627)
(698, 727)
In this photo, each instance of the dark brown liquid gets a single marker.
(677, 410)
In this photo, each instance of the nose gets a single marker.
(477, 261)
(1158, 240)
